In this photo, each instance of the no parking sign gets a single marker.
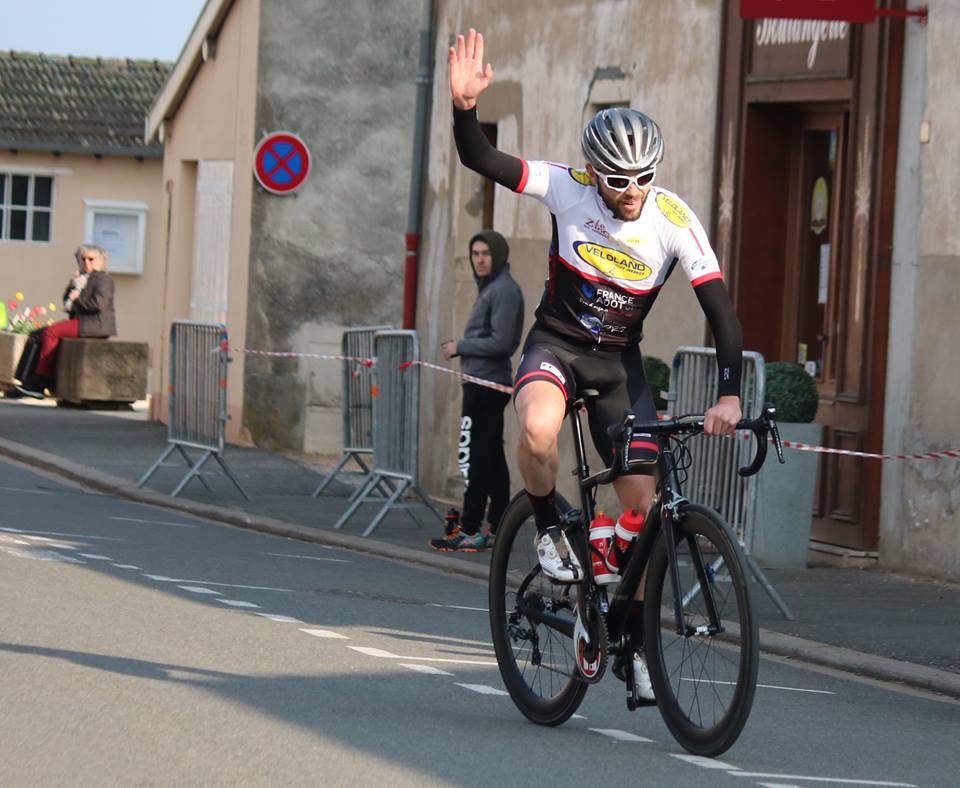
(281, 162)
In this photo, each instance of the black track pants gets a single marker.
(481, 458)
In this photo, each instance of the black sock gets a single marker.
(635, 624)
(544, 510)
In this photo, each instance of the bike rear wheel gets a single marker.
(704, 682)
(532, 621)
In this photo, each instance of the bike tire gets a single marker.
(537, 662)
(704, 684)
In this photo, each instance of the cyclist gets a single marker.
(616, 240)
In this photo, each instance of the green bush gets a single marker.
(792, 391)
(658, 378)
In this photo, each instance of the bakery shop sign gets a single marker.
(800, 47)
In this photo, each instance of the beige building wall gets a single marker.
(41, 270)
(553, 62)
(920, 525)
(214, 122)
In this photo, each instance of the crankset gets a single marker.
(590, 644)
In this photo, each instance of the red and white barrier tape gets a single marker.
(949, 454)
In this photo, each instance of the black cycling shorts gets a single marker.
(616, 374)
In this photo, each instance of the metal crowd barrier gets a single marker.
(713, 479)
(396, 426)
(197, 399)
(356, 405)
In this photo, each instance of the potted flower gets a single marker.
(785, 493)
(17, 321)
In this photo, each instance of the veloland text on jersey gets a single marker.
(775, 32)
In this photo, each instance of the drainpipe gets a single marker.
(418, 170)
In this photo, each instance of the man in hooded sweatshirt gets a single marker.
(491, 336)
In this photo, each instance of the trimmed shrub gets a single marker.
(658, 378)
(792, 391)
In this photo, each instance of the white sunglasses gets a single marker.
(620, 183)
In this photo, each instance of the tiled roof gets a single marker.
(77, 105)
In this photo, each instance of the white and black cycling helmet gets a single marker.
(620, 139)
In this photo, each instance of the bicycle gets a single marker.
(553, 640)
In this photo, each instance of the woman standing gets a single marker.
(88, 299)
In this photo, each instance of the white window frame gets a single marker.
(6, 206)
(139, 210)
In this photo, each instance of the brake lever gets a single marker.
(628, 419)
(778, 444)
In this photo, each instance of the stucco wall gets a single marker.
(546, 55)
(41, 270)
(341, 75)
(920, 528)
(214, 122)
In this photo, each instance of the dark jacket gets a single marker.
(495, 326)
(94, 306)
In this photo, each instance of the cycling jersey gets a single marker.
(605, 273)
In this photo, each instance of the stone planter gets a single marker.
(785, 500)
(11, 346)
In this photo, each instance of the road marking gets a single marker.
(42, 555)
(379, 652)
(621, 735)
(154, 522)
(236, 602)
(458, 607)
(778, 785)
(483, 689)
(763, 775)
(281, 619)
(126, 566)
(199, 590)
(311, 558)
(34, 492)
(165, 579)
(765, 686)
(20, 541)
(325, 633)
(706, 763)
(78, 537)
(96, 556)
(60, 546)
(428, 669)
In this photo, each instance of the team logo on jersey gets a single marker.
(611, 262)
(673, 210)
(588, 290)
(580, 176)
(592, 323)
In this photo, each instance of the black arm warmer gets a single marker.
(479, 155)
(716, 305)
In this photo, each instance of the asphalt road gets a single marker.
(139, 646)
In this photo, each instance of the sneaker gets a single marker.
(452, 534)
(557, 559)
(455, 540)
(641, 677)
(24, 391)
(478, 542)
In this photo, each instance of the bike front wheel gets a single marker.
(704, 680)
(532, 621)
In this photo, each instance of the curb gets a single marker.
(837, 657)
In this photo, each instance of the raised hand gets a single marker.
(468, 75)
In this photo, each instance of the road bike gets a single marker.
(553, 640)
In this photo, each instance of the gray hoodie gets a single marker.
(494, 329)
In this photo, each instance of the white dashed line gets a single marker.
(428, 669)
(59, 546)
(79, 537)
(841, 780)
(165, 579)
(25, 490)
(379, 652)
(778, 785)
(621, 735)
(126, 566)
(20, 541)
(764, 686)
(325, 633)
(237, 603)
(199, 590)
(96, 557)
(705, 763)
(311, 558)
(281, 619)
(483, 689)
(458, 607)
(42, 555)
(154, 522)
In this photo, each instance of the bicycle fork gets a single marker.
(668, 516)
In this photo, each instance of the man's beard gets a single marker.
(617, 211)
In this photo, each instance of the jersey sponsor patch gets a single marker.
(612, 262)
(674, 211)
(548, 367)
(580, 176)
